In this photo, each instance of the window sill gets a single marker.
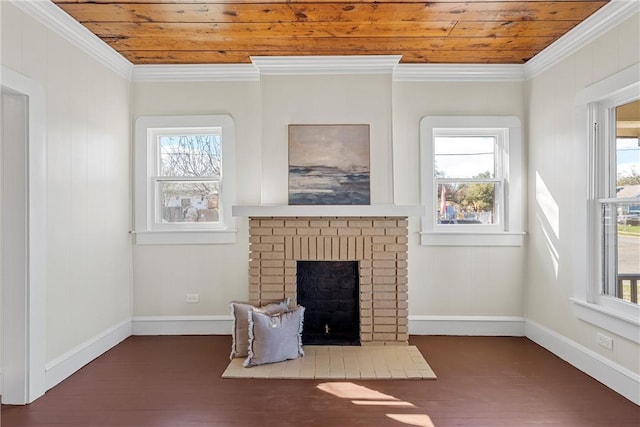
(608, 319)
(186, 237)
(471, 239)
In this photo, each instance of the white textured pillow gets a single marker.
(274, 338)
(240, 333)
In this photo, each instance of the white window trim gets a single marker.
(606, 312)
(510, 231)
(145, 231)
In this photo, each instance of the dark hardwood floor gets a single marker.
(174, 381)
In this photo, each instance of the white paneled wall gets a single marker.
(88, 205)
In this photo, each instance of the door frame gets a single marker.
(29, 307)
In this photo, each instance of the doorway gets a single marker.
(22, 239)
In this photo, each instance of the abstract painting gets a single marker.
(329, 165)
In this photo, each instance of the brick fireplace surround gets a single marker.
(378, 243)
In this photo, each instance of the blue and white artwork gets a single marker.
(329, 165)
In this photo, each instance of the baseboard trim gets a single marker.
(182, 325)
(64, 366)
(609, 373)
(496, 326)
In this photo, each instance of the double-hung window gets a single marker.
(184, 179)
(471, 182)
(606, 292)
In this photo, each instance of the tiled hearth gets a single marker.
(379, 244)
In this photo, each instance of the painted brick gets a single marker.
(271, 223)
(290, 271)
(272, 239)
(254, 263)
(365, 338)
(267, 263)
(290, 263)
(294, 223)
(384, 264)
(384, 288)
(383, 239)
(272, 255)
(272, 271)
(384, 296)
(261, 231)
(272, 288)
(349, 232)
(254, 271)
(319, 223)
(378, 272)
(327, 248)
(402, 240)
(254, 280)
(308, 232)
(271, 296)
(377, 247)
(256, 239)
(385, 321)
(290, 280)
(384, 304)
(338, 223)
(284, 231)
(396, 248)
(384, 336)
(272, 279)
(385, 312)
(373, 231)
(385, 223)
(403, 329)
(385, 280)
(403, 337)
(367, 329)
(384, 255)
(360, 223)
(329, 232)
(396, 231)
(384, 328)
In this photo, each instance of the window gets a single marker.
(606, 292)
(619, 203)
(468, 166)
(184, 179)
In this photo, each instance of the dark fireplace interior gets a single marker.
(329, 291)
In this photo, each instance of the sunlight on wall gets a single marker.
(548, 206)
(363, 396)
(548, 215)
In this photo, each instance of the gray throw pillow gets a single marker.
(274, 338)
(240, 333)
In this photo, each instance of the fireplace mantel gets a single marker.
(379, 210)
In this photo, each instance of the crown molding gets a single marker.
(304, 65)
(458, 73)
(195, 73)
(71, 30)
(603, 20)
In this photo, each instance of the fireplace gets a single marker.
(329, 291)
(378, 245)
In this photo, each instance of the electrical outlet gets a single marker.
(605, 341)
(192, 298)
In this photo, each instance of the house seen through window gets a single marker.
(185, 179)
(189, 173)
(620, 206)
(467, 178)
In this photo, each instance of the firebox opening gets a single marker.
(329, 290)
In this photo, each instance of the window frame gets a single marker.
(595, 116)
(147, 229)
(508, 231)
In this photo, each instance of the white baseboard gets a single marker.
(614, 376)
(495, 326)
(182, 325)
(64, 366)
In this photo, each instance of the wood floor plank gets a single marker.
(175, 381)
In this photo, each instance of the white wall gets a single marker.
(88, 132)
(454, 281)
(550, 97)
(442, 281)
(164, 274)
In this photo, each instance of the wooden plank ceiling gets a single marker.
(230, 31)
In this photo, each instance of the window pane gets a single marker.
(467, 203)
(464, 157)
(190, 155)
(621, 242)
(188, 201)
